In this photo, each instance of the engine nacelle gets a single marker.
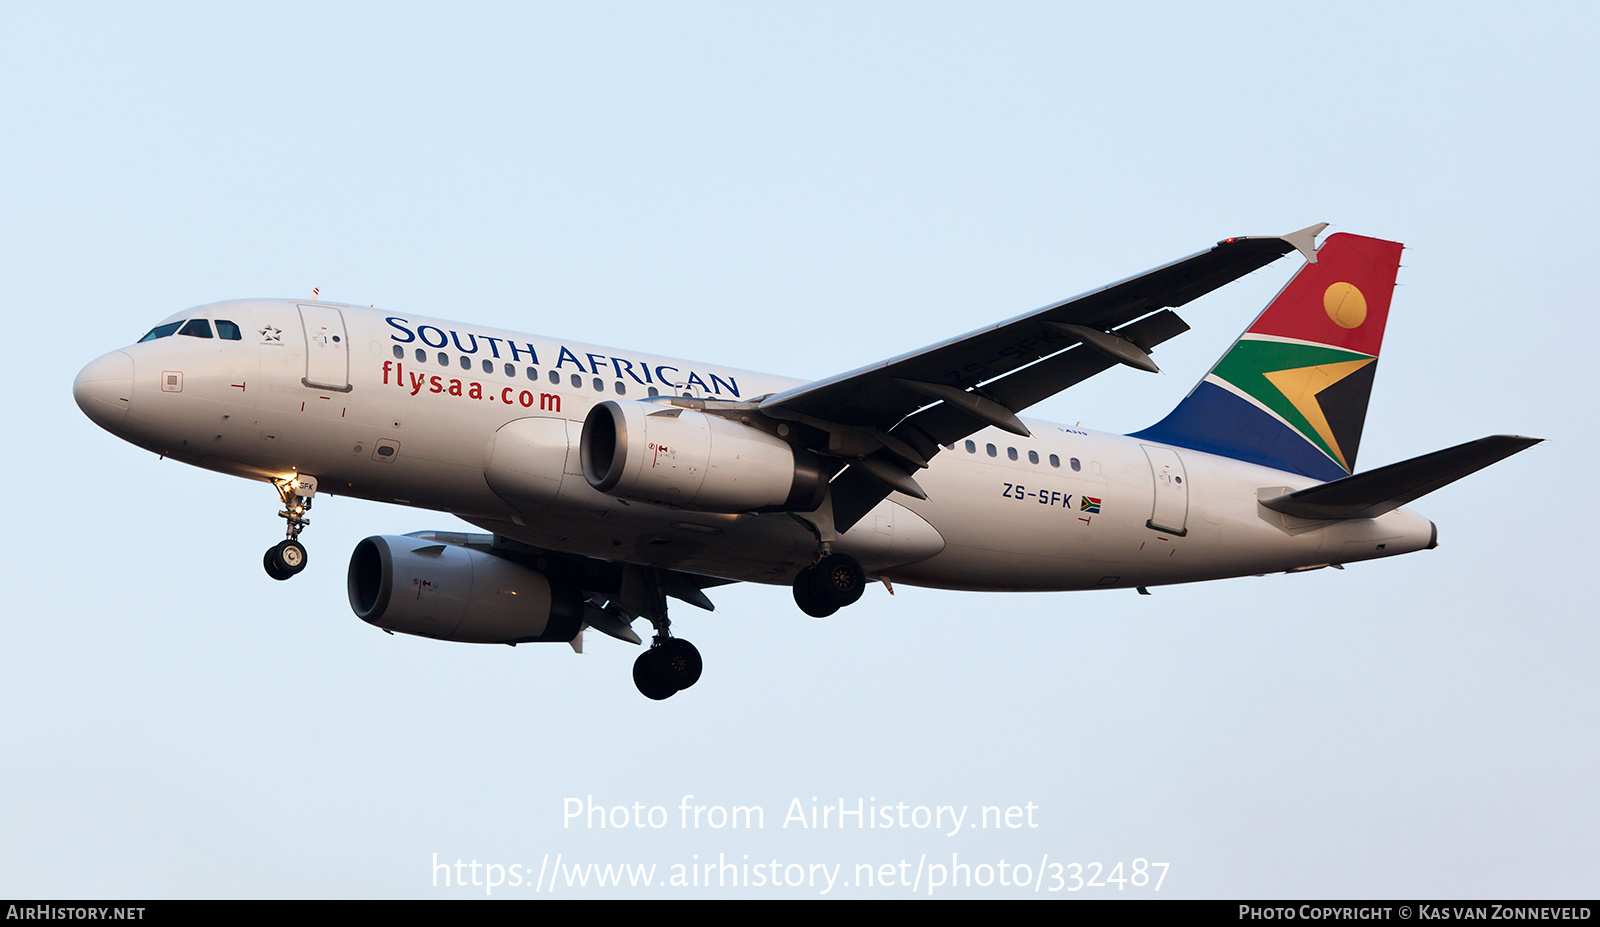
(689, 460)
(451, 593)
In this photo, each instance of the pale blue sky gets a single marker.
(802, 189)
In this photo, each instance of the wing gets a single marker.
(613, 594)
(887, 420)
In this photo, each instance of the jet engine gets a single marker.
(423, 587)
(689, 460)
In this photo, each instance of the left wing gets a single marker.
(887, 420)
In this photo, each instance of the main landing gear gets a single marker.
(833, 582)
(288, 557)
(669, 666)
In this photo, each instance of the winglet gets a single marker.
(1303, 241)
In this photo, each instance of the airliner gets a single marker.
(608, 481)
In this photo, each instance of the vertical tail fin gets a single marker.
(1292, 391)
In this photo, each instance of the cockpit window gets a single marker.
(228, 331)
(161, 331)
(196, 328)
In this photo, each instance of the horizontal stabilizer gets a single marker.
(1370, 494)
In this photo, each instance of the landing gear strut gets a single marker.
(672, 664)
(833, 580)
(288, 557)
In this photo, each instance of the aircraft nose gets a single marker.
(104, 389)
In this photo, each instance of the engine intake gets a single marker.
(686, 459)
(451, 593)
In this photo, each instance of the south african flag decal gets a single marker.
(1089, 504)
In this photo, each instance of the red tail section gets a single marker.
(1342, 301)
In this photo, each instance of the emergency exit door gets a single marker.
(1169, 510)
(327, 349)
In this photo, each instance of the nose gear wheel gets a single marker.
(284, 559)
(288, 557)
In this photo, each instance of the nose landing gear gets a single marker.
(288, 556)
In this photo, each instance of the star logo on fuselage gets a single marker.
(270, 334)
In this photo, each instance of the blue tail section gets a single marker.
(1216, 421)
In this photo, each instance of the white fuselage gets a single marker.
(401, 408)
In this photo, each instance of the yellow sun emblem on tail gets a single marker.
(1345, 305)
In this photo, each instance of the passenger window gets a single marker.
(1076, 465)
(466, 362)
(555, 378)
(511, 370)
(1033, 457)
(488, 365)
(399, 352)
(972, 448)
(196, 328)
(654, 392)
(533, 373)
(228, 331)
(444, 359)
(991, 450)
(1011, 452)
(622, 388)
(161, 331)
(1055, 461)
(422, 356)
(577, 382)
(599, 385)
